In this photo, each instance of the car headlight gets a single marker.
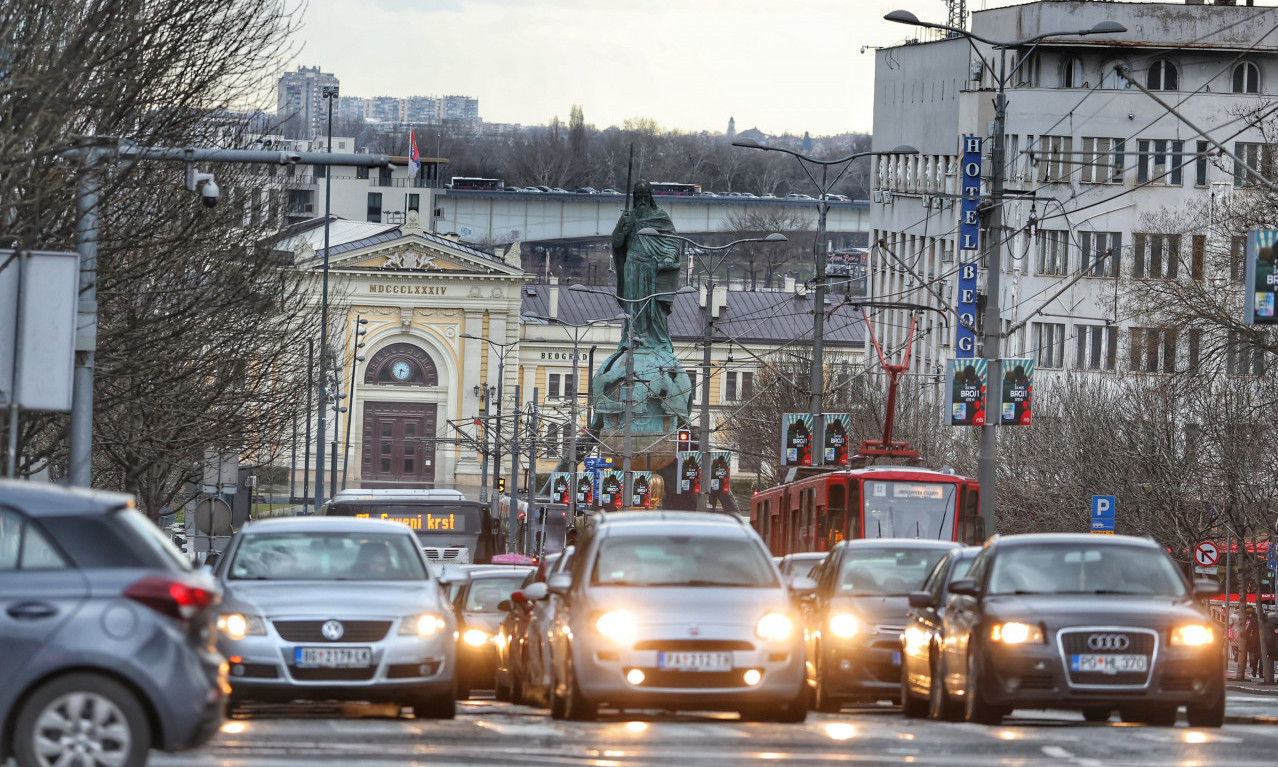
(1013, 632)
(617, 625)
(774, 627)
(844, 625)
(426, 625)
(501, 641)
(1193, 635)
(475, 637)
(240, 625)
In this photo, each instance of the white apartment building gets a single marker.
(300, 107)
(1091, 162)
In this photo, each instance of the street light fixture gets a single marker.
(817, 384)
(329, 94)
(703, 498)
(986, 474)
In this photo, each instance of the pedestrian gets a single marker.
(1251, 637)
(1235, 636)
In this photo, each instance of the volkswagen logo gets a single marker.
(332, 630)
(1108, 642)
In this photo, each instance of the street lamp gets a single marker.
(703, 498)
(356, 358)
(329, 94)
(990, 339)
(818, 306)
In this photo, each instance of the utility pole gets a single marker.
(329, 94)
(487, 394)
(514, 473)
(711, 309)
(532, 466)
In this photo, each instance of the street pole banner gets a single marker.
(964, 333)
(796, 439)
(1262, 277)
(1018, 392)
(967, 386)
(720, 471)
(561, 487)
(836, 439)
(969, 244)
(641, 485)
(611, 482)
(586, 489)
(689, 466)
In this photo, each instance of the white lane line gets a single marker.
(1056, 752)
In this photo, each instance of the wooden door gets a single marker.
(399, 444)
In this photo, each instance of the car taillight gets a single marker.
(178, 600)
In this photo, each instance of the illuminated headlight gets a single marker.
(501, 641)
(915, 638)
(475, 637)
(617, 625)
(1015, 633)
(774, 627)
(844, 625)
(427, 625)
(238, 626)
(1193, 635)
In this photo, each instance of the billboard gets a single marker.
(560, 484)
(967, 379)
(796, 439)
(586, 490)
(611, 482)
(836, 439)
(1017, 392)
(641, 489)
(720, 471)
(1262, 277)
(689, 463)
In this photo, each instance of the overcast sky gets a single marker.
(778, 65)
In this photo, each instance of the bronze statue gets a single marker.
(646, 264)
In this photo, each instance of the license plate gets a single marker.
(333, 657)
(694, 661)
(1109, 664)
(896, 658)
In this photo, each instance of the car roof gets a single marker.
(806, 555)
(38, 499)
(1088, 539)
(678, 522)
(479, 575)
(661, 515)
(898, 543)
(326, 525)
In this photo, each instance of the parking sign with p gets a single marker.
(1103, 514)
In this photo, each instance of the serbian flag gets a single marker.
(414, 157)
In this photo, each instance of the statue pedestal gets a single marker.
(646, 456)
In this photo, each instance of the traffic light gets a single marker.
(501, 484)
(684, 438)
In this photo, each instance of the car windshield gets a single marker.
(1084, 569)
(885, 572)
(682, 560)
(486, 593)
(308, 556)
(802, 568)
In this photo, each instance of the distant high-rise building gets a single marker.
(300, 108)
(382, 108)
(418, 109)
(457, 109)
(351, 108)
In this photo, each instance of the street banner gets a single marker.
(560, 487)
(964, 333)
(1018, 392)
(836, 439)
(586, 489)
(967, 386)
(611, 482)
(1262, 277)
(720, 471)
(689, 465)
(968, 245)
(796, 439)
(641, 489)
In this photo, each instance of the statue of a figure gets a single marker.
(646, 264)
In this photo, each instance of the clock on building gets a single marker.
(401, 370)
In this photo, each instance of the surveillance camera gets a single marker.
(209, 193)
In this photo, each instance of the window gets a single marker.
(559, 385)
(1099, 253)
(414, 202)
(1158, 161)
(1156, 255)
(361, 171)
(1153, 350)
(1097, 347)
(23, 547)
(738, 385)
(1195, 338)
(1049, 344)
(1161, 76)
(1242, 357)
(1197, 256)
(1054, 157)
(695, 397)
(1246, 78)
(1053, 251)
(1237, 258)
(1258, 156)
(320, 171)
(1200, 164)
(1110, 79)
(375, 207)
(384, 176)
(1072, 73)
(1103, 160)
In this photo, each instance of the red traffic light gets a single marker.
(684, 436)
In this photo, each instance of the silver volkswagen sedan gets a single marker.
(327, 608)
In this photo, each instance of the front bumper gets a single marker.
(863, 666)
(477, 666)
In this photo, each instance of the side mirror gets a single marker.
(964, 586)
(803, 587)
(535, 592)
(505, 605)
(517, 597)
(1206, 587)
(559, 583)
(920, 599)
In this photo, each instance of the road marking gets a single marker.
(1056, 752)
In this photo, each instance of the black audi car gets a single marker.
(1094, 623)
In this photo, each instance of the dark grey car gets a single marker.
(107, 633)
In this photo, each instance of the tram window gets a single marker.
(854, 517)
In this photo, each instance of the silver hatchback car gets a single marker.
(677, 610)
(330, 608)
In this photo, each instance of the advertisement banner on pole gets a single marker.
(836, 439)
(611, 482)
(1018, 392)
(720, 471)
(641, 487)
(967, 386)
(1262, 277)
(796, 439)
(689, 465)
(560, 487)
(586, 489)
(968, 245)
(964, 334)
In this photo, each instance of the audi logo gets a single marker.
(1108, 642)
(332, 630)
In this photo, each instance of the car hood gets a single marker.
(880, 611)
(284, 599)
(1065, 610)
(705, 605)
(487, 621)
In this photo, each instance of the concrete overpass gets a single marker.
(526, 216)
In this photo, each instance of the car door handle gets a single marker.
(31, 610)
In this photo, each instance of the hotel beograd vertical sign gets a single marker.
(968, 245)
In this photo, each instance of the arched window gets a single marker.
(1246, 78)
(1072, 73)
(1110, 79)
(1161, 76)
(401, 365)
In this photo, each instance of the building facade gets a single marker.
(300, 107)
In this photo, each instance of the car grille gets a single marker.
(332, 674)
(353, 631)
(1140, 642)
(691, 680)
(1037, 682)
(704, 645)
(443, 555)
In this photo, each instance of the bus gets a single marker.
(816, 512)
(450, 528)
(675, 190)
(548, 531)
(468, 184)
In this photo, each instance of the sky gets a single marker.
(782, 66)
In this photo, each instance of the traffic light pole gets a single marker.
(703, 498)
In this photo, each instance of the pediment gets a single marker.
(414, 254)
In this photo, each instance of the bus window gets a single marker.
(854, 509)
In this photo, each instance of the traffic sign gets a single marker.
(1103, 507)
(1206, 554)
(599, 463)
(1273, 557)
